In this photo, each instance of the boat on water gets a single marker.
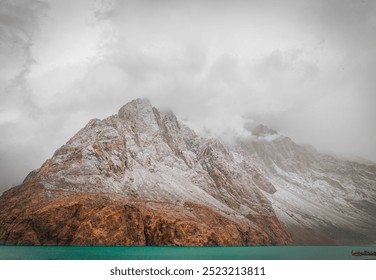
(364, 253)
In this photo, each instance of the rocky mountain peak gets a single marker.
(139, 115)
(137, 103)
(140, 177)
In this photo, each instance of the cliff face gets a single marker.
(140, 177)
(106, 220)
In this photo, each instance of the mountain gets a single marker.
(141, 177)
(320, 198)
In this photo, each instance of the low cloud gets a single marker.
(303, 68)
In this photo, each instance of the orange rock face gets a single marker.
(28, 217)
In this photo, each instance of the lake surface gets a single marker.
(182, 253)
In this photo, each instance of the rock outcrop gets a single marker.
(107, 220)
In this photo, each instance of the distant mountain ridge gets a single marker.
(141, 177)
(320, 197)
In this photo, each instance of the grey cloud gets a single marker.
(19, 22)
(302, 67)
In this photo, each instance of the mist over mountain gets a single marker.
(142, 177)
(304, 68)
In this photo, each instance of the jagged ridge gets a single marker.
(156, 168)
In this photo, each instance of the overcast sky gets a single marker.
(306, 68)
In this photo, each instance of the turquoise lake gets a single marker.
(182, 253)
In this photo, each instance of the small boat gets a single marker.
(364, 253)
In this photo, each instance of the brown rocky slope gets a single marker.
(29, 218)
